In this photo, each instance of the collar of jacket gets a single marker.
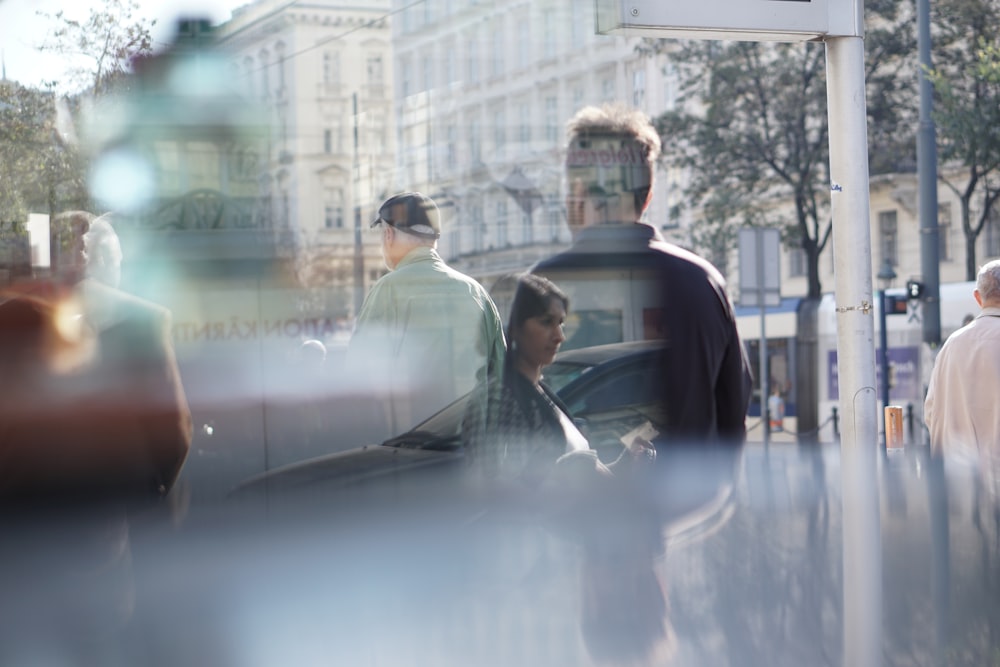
(421, 253)
(611, 237)
(990, 311)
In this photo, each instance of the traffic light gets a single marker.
(914, 289)
(895, 304)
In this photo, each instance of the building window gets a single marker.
(608, 89)
(555, 223)
(265, 66)
(796, 262)
(496, 68)
(993, 234)
(376, 75)
(327, 141)
(333, 211)
(427, 65)
(501, 210)
(407, 19)
(331, 67)
(944, 232)
(670, 86)
(450, 73)
(552, 119)
(476, 217)
(549, 33)
(475, 142)
(639, 88)
(451, 157)
(406, 78)
(524, 124)
(248, 66)
(577, 98)
(577, 34)
(279, 48)
(455, 241)
(472, 60)
(499, 133)
(888, 237)
(523, 42)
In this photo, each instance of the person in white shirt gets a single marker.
(960, 409)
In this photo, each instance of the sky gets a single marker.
(22, 30)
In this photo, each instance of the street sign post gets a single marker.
(748, 20)
(839, 24)
(760, 285)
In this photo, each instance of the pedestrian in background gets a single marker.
(776, 410)
(426, 333)
(960, 408)
(610, 162)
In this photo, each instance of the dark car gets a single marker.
(609, 390)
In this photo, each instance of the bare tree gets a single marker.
(967, 109)
(102, 46)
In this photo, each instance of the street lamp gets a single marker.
(885, 277)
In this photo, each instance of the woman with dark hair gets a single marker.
(516, 429)
(527, 454)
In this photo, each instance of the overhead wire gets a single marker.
(332, 38)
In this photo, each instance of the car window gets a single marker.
(560, 373)
(614, 401)
(441, 431)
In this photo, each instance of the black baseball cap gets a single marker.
(411, 212)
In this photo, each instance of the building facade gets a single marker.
(896, 236)
(322, 73)
(483, 91)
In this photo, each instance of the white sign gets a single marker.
(760, 266)
(748, 20)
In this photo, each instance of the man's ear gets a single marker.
(645, 204)
(649, 193)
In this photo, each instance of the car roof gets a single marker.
(598, 354)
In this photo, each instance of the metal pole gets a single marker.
(927, 177)
(359, 256)
(862, 610)
(764, 374)
(884, 366)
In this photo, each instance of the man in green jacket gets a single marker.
(426, 333)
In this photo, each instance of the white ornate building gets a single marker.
(322, 72)
(483, 91)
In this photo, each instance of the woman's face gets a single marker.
(539, 338)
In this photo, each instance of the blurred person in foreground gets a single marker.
(960, 408)
(94, 429)
(139, 374)
(526, 454)
(610, 162)
(133, 390)
(426, 332)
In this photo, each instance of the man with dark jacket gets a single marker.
(610, 165)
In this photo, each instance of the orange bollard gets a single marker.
(893, 427)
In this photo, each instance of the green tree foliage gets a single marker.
(750, 127)
(966, 81)
(99, 49)
(40, 168)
